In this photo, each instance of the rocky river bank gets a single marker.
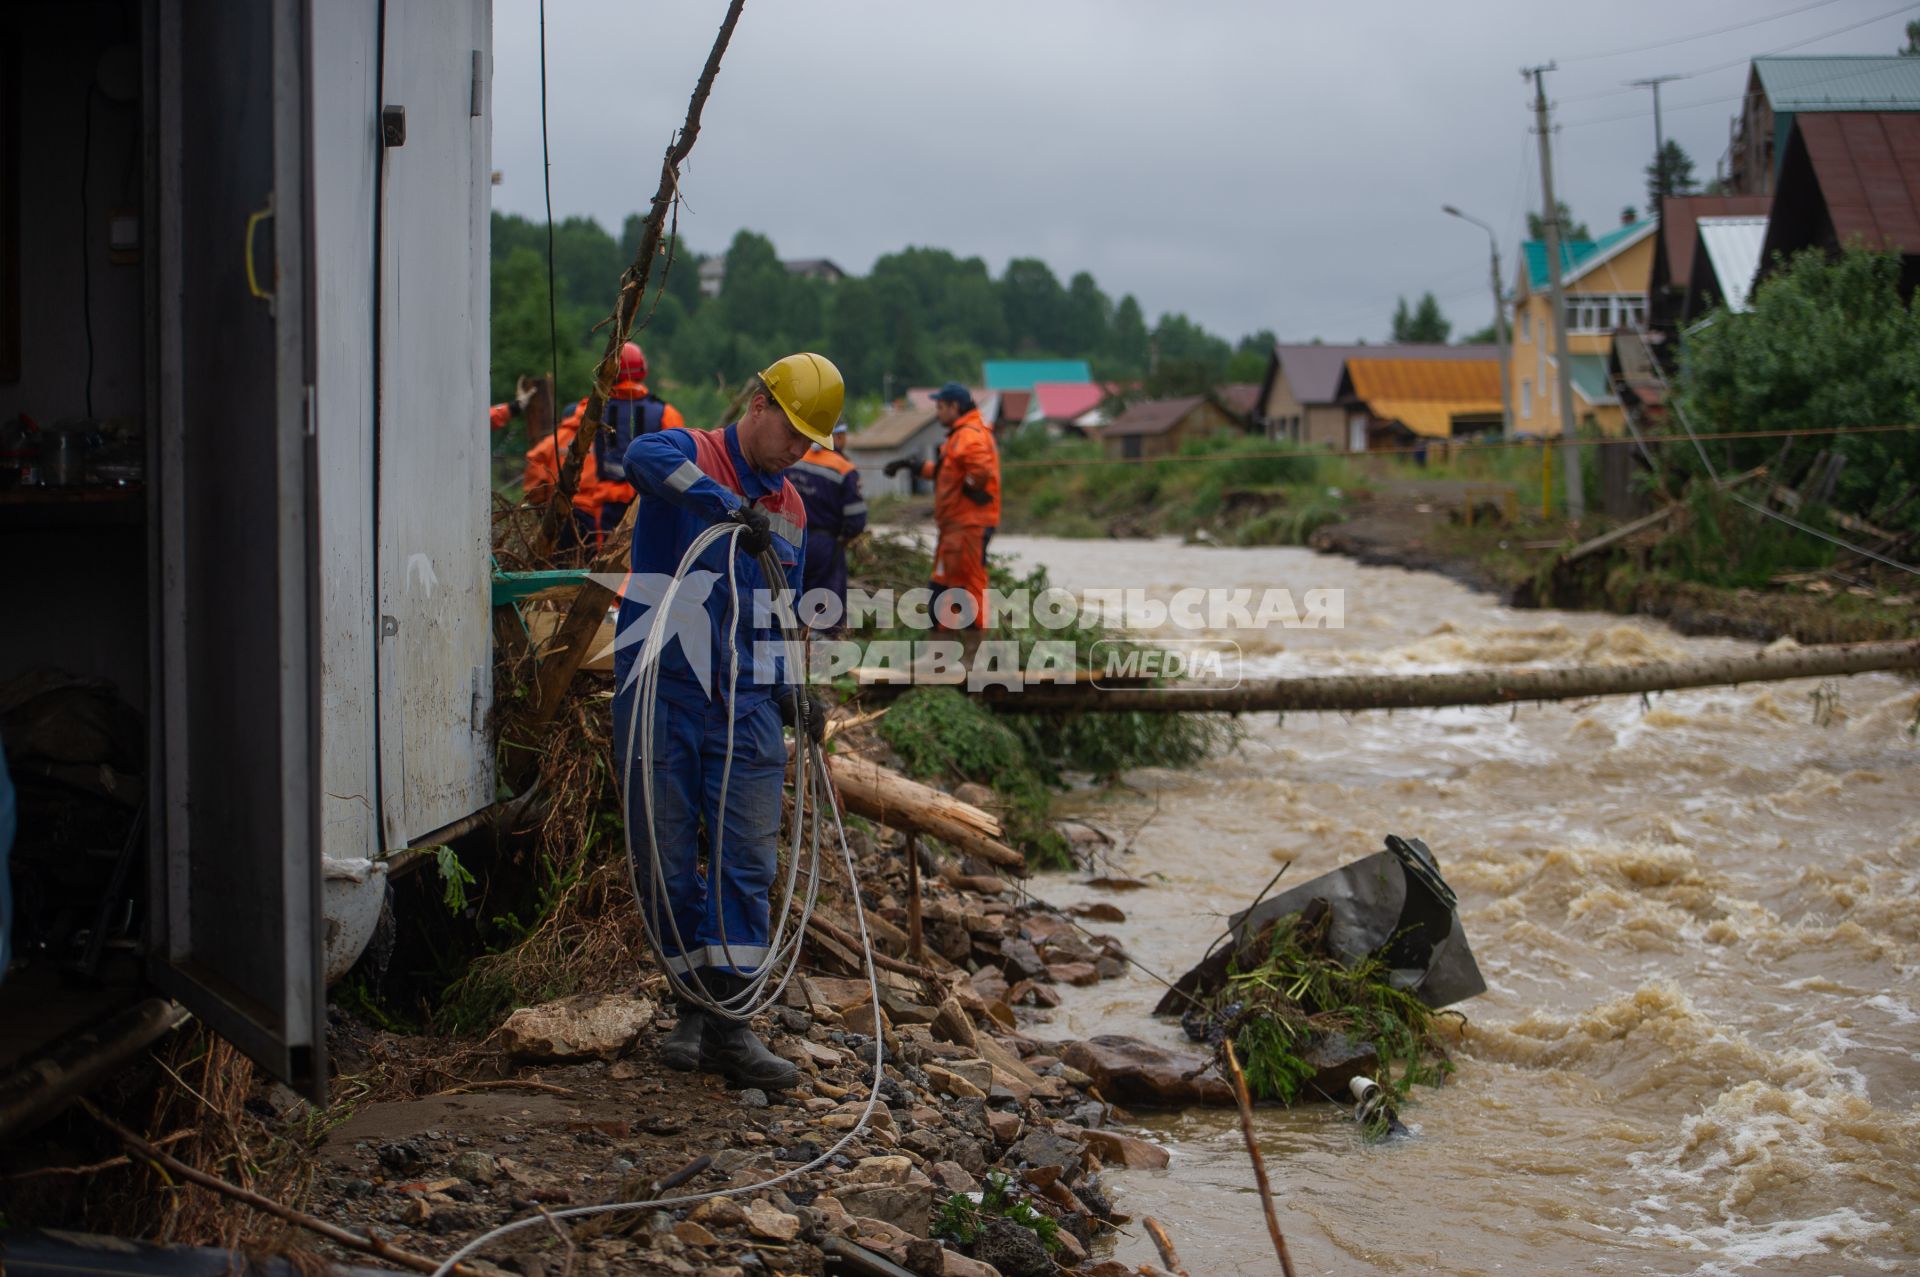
(567, 1105)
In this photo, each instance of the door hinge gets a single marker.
(393, 126)
(477, 93)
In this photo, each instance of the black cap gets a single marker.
(954, 392)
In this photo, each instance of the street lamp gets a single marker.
(1499, 317)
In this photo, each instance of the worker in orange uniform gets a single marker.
(602, 495)
(966, 506)
(632, 410)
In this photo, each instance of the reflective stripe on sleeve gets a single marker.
(784, 527)
(685, 475)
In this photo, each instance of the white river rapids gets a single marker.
(1700, 1050)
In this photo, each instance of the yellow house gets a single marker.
(1606, 282)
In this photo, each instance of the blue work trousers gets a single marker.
(717, 892)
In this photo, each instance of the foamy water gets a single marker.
(1698, 915)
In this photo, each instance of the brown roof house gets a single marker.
(1159, 427)
(1847, 178)
(1673, 251)
(1300, 397)
(899, 432)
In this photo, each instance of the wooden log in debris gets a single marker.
(1647, 522)
(1349, 692)
(868, 789)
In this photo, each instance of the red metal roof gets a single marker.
(1868, 167)
(1066, 400)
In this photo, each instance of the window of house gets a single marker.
(1130, 446)
(1604, 312)
(1526, 397)
(1526, 324)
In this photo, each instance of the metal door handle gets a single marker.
(253, 224)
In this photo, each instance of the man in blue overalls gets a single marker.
(712, 928)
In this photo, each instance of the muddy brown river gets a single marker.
(1699, 919)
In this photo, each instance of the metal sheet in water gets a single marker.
(1393, 903)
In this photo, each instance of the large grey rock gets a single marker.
(1044, 1148)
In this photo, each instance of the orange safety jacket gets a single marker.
(967, 459)
(593, 493)
(543, 470)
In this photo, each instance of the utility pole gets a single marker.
(1659, 137)
(1563, 379)
(1499, 319)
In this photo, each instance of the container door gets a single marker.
(236, 891)
(434, 655)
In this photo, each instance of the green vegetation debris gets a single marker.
(961, 1219)
(1287, 995)
(454, 878)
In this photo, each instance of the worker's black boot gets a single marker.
(732, 1049)
(681, 1050)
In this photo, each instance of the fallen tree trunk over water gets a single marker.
(1472, 687)
(868, 789)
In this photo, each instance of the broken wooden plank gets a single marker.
(877, 793)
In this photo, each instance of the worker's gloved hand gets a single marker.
(758, 537)
(896, 465)
(816, 726)
(516, 407)
(979, 496)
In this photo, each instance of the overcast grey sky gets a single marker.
(1276, 165)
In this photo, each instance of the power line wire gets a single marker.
(546, 181)
(1722, 66)
(1698, 35)
(1812, 39)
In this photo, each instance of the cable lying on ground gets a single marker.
(813, 806)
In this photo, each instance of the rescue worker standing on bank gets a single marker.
(966, 500)
(712, 927)
(829, 485)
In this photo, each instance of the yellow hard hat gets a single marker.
(810, 390)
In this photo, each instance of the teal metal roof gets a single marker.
(1022, 374)
(1858, 83)
(1575, 253)
(1590, 378)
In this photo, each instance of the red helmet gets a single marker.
(633, 362)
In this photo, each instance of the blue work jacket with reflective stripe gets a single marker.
(684, 482)
(829, 486)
